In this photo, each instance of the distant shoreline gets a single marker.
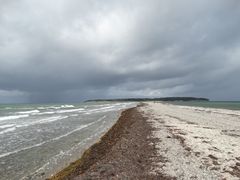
(151, 99)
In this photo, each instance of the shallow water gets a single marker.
(39, 140)
(232, 105)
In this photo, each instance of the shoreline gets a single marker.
(125, 151)
(92, 154)
(164, 141)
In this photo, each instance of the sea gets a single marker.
(232, 105)
(38, 140)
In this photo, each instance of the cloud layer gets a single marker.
(71, 50)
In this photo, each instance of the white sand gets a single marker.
(197, 143)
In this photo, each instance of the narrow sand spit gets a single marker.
(126, 151)
(197, 143)
(164, 142)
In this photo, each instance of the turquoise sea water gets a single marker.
(233, 105)
(37, 140)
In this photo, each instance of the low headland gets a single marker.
(163, 141)
(151, 99)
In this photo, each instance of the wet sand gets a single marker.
(161, 141)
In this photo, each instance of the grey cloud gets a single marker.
(74, 50)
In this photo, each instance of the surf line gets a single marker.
(54, 139)
(35, 173)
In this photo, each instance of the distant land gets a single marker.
(152, 99)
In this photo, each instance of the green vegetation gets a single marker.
(153, 99)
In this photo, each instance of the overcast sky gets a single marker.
(72, 50)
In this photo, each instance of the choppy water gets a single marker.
(38, 140)
(232, 105)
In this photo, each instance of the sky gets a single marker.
(73, 50)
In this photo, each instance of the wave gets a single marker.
(43, 108)
(69, 152)
(8, 130)
(101, 108)
(6, 126)
(104, 109)
(3, 118)
(70, 110)
(60, 111)
(43, 121)
(50, 140)
(44, 113)
(67, 106)
(13, 127)
(74, 115)
(51, 119)
(37, 112)
(29, 112)
(57, 107)
(109, 107)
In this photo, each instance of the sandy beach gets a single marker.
(163, 141)
(198, 143)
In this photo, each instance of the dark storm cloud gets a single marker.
(70, 50)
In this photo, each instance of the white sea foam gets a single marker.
(43, 121)
(67, 106)
(8, 130)
(69, 152)
(57, 107)
(44, 113)
(50, 140)
(13, 127)
(29, 112)
(74, 115)
(6, 126)
(103, 109)
(70, 110)
(81, 127)
(42, 108)
(3, 118)
(51, 119)
(109, 107)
